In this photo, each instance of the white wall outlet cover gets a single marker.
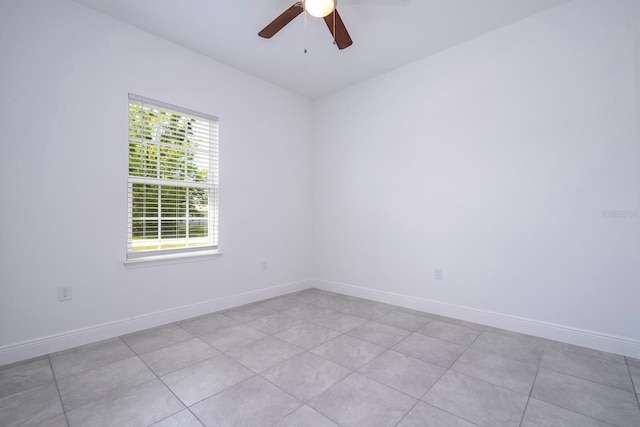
(64, 293)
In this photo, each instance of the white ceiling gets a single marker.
(386, 34)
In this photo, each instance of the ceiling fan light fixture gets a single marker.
(319, 8)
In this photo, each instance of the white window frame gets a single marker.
(203, 145)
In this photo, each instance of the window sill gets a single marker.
(174, 258)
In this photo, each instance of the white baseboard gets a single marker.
(65, 340)
(584, 338)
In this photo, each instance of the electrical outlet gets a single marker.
(438, 274)
(64, 293)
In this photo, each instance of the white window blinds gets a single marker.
(173, 179)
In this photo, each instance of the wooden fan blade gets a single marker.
(341, 36)
(282, 20)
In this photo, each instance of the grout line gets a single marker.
(526, 406)
(169, 388)
(419, 400)
(256, 374)
(390, 348)
(304, 403)
(135, 353)
(636, 387)
(451, 370)
(165, 385)
(55, 381)
(407, 413)
(590, 380)
(573, 376)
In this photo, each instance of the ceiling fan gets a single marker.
(325, 9)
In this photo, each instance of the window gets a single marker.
(173, 181)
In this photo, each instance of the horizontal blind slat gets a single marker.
(167, 182)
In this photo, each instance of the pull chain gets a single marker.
(305, 31)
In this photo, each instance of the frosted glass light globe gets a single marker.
(319, 8)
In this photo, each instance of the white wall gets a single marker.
(65, 73)
(637, 54)
(494, 161)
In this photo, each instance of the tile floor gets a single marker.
(316, 358)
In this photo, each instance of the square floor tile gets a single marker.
(275, 323)
(507, 373)
(307, 335)
(477, 401)
(321, 299)
(360, 401)
(265, 353)
(379, 334)
(432, 350)
(141, 405)
(181, 419)
(339, 302)
(574, 349)
(178, 356)
(595, 400)
(204, 379)
(309, 312)
(348, 351)
(248, 313)
(306, 375)
(403, 320)
(403, 373)
(305, 417)
(23, 362)
(635, 377)
(517, 335)
(367, 309)
(207, 324)
(330, 301)
(450, 332)
(540, 413)
(517, 347)
(79, 389)
(282, 303)
(420, 313)
(463, 323)
(633, 362)
(36, 406)
(24, 376)
(254, 402)
(230, 338)
(57, 421)
(584, 365)
(155, 338)
(89, 356)
(424, 415)
(339, 322)
(321, 315)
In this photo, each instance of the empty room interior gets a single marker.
(407, 213)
